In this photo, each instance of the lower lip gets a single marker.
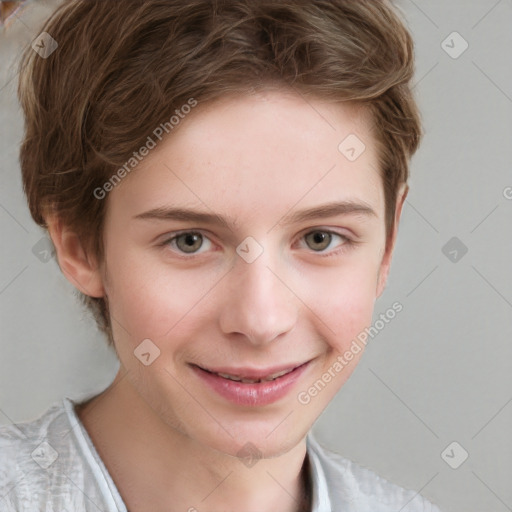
(261, 393)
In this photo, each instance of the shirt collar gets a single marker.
(320, 499)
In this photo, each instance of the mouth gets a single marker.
(249, 386)
(253, 377)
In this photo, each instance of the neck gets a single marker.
(157, 468)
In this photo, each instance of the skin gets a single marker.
(168, 440)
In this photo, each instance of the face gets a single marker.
(267, 291)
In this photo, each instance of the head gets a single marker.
(235, 109)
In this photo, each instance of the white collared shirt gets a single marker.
(51, 465)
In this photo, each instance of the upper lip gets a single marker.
(252, 373)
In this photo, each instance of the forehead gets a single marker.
(266, 151)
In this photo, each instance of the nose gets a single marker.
(259, 303)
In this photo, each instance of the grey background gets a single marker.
(439, 372)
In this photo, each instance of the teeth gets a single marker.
(231, 377)
(254, 381)
(279, 374)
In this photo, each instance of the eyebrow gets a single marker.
(360, 209)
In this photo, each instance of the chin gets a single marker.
(255, 441)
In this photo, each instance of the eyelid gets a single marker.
(326, 229)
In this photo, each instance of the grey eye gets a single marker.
(321, 238)
(189, 242)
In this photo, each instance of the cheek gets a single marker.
(345, 302)
(154, 301)
(151, 300)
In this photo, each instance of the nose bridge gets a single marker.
(259, 305)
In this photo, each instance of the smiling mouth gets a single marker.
(245, 379)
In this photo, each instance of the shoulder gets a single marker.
(34, 457)
(352, 487)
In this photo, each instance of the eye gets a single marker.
(319, 240)
(187, 242)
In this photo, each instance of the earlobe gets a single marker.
(79, 268)
(385, 265)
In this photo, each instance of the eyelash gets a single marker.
(348, 242)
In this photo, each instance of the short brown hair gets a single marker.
(122, 67)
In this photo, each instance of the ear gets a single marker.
(79, 268)
(385, 265)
